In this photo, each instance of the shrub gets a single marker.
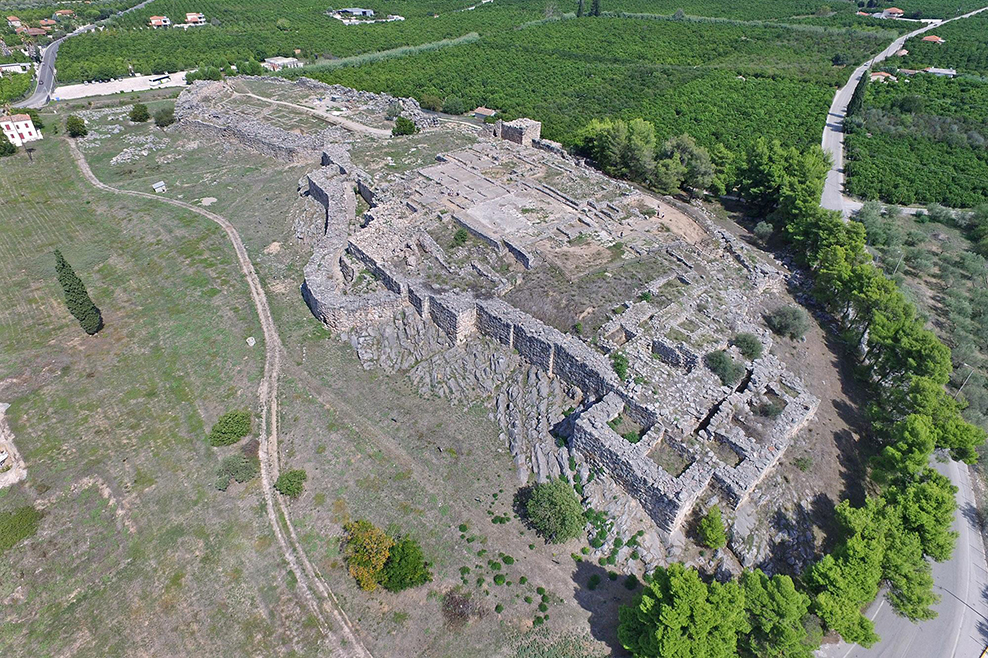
(631, 582)
(749, 345)
(237, 467)
(164, 117)
(230, 428)
(406, 566)
(498, 608)
(430, 102)
(722, 365)
(711, 529)
(75, 126)
(366, 549)
(771, 409)
(763, 231)
(593, 582)
(803, 463)
(139, 113)
(555, 512)
(620, 363)
(404, 126)
(291, 483)
(460, 237)
(18, 525)
(790, 321)
(499, 579)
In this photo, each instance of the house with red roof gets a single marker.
(13, 21)
(933, 39)
(159, 21)
(893, 12)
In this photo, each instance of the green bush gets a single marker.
(291, 483)
(593, 582)
(164, 117)
(75, 126)
(460, 237)
(404, 126)
(620, 363)
(711, 529)
(237, 467)
(499, 579)
(406, 566)
(749, 345)
(722, 365)
(230, 428)
(789, 321)
(18, 525)
(454, 105)
(631, 582)
(763, 231)
(771, 409)
(555, 512)
(139, 113)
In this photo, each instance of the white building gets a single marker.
(192, 18)
(19, 129)
(13, 21)
(943, 73)
(159, 21)
(278, 63)
(356, 11)
(15, 67)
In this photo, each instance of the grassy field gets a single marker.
(137, 552)
(338, 422)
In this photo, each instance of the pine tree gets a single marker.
(579, 9)
(76, 298)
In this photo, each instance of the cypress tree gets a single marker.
(579, 9)
(76, 297)
(595, 8)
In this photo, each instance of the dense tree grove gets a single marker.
(237, 33)
(921, 141)
(14, 85)
(966, 48)
(77, 298)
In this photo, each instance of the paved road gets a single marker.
(46, 71)
(833, 131)
(961, 628)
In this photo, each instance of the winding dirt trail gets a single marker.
(333, 622)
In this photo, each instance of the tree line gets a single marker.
(891, 538)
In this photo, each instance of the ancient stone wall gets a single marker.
(521, 131)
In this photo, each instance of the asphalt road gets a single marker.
(961, 627)
(833, 131)
(46, 71)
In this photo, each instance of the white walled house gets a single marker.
(195, 18)
(19, 129)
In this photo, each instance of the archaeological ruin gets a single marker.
(428, 256)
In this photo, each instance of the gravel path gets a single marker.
(337, 627)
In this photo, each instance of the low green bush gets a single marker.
(789, 321)
(749, 345)
(291, 483)
(727, 369)
(230, 428)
